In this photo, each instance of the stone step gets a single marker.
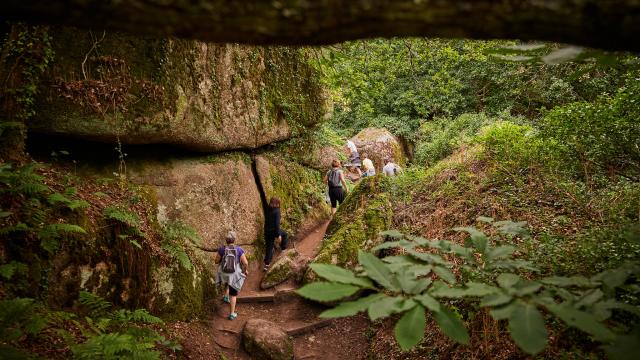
(303, 329)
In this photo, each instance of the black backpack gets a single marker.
(229, 260)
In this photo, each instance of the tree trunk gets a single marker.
(607, 24)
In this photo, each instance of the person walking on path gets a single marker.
(390, 168)
(354, 158)
(272, 231)
(233, 270)
(337, 185)
(367, 165)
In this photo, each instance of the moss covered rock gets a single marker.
(202, 96)
(379, 144)
(289, 265)
(366, 212)
(299, 188)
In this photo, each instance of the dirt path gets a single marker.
(314, 338)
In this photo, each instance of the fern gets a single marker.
(177, 231)
(138, 316)
(58, 198)
(8, 270)
(19, 317)
(115, 346)
(124, 217)
(177, 252)
(49, 235)
(97, 305)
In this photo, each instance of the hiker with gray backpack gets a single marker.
(233, 270)
(337, 185)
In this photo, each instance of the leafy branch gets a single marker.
(421, 281)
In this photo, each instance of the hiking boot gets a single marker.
(232, 316)
(226, 299)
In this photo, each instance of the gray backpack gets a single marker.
(334, 178)
(229, 260)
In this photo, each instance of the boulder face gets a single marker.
(265, 340)
(290, 264)
(112, 87)
(213, 195)
(379, 144)
(300, 190)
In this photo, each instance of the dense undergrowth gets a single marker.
(570, 172)
(55, 223)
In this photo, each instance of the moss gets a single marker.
(300, 190)
(280, 272)
(366, 212)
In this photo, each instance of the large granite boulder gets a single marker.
(265, 340)
(207, 97)
(299, 188)
(379, 144)
(213, 195)
(289, 265)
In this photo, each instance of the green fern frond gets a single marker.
(178, 232)
(138, 315)
(50, 234)
(78, 204)
(8, 270)
(177, 252)
(96, 304)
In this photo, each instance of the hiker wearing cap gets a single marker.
(390, 169)
(272, 231)
(233, 270)
(367, 165)
(337, 185)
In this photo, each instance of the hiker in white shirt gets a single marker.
(367, 165)
(390, 169)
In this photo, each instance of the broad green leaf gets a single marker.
(479, 289)
(590, 298)
(500, 252)
(409, 329)
(428, 302)
(445, 274)
(624, 347)
(526, 326)
(526, 287)
(338, 274)
(428, 257)
(377, 270)
(503, 312)
(477, 238)
(495, 300)
(507, 281)
(389, 245)
(4, 214)
(581, 320)
(389, 305)
(409, 281)
(579, 281)
(350, 308)
(451, 325)
(485, 219)
(324, 291)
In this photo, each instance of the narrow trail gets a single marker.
(313, 338)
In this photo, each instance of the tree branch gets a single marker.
(606, 24)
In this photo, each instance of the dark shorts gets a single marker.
(336, 195)
(232, 291)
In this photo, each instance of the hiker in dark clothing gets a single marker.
(272, 231)
(337, 185)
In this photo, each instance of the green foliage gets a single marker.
(38, 213)
(411, 285)
(175, 234)
(19, 317)
(441, 136)
(402, 83)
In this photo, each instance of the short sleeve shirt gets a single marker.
(239, 252)
(389, 169)
(352, 147)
